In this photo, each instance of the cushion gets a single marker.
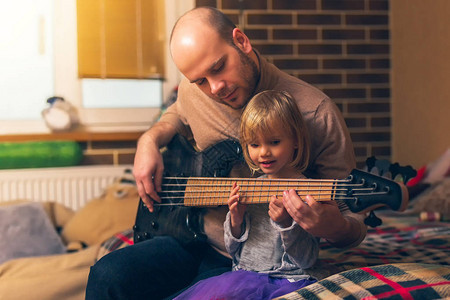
(101, 218)
(47, 277)
(58, 213)
(26, 230)
(435, 199)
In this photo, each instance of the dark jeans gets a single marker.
(154, 269)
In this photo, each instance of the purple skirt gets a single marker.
(242, 285)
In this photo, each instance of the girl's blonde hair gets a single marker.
(274, 109)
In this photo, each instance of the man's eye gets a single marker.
(200, 82)
(217, 70)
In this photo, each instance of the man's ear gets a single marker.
(241, 40)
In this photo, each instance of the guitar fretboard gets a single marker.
(199, 191)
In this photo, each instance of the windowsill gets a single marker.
(79, 134)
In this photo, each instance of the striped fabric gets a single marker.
(119, 240)
(391, 281)
(400, 239)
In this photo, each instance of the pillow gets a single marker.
(101, 218)
(26, 230)
(435, 199)
(57, 213)
(47, 278)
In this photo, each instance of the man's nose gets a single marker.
(216, 86)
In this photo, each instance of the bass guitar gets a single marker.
(197, 180)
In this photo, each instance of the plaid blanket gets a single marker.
(117, 241)
(391, 281)
(400, 239)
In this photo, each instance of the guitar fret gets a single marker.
(308, 187)
(224, 194)
(320, 189)
(259, 200)
(279, 185)
(270, 187)
(260, 195)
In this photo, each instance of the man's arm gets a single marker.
(332, 150)
(148, 163)
(356, 229)
(335, 159)
(349, 235)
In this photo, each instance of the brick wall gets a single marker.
(340, 46)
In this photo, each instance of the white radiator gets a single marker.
(70, 186)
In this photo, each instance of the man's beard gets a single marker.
(249, 72)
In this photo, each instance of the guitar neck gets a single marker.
(199, 191)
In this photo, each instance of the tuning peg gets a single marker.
(372, 220)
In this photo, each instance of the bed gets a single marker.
(406, 257)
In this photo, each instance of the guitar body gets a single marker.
(183, 161)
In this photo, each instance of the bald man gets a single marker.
(222, 72)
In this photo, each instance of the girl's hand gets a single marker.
(278, 212)
(237, 211)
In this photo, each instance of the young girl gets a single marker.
(269, 250)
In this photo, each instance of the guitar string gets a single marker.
(255, 179)
(210, 203)
(193, 190)
(206, 204)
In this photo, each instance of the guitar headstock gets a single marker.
(365, 191)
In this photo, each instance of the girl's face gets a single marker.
(272, 153)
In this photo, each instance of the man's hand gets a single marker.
(321, 219)
(148, 170)
(278, 212)
(148, 162)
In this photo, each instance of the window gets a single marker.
(26, 58)
(56, 23)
